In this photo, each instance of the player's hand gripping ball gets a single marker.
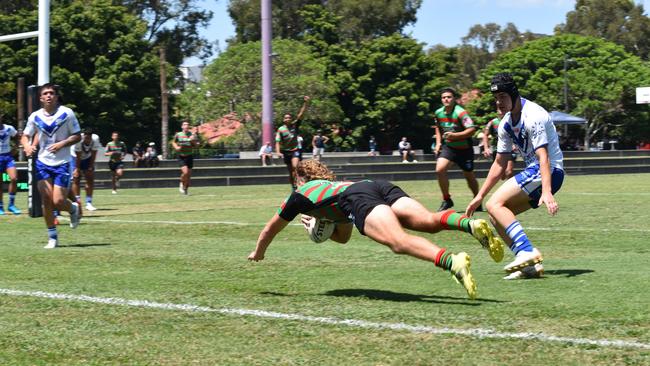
(319, 230)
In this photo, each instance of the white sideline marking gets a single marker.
(299, 224)
(472, 332)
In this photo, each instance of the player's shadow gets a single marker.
(404, 297)
(84, 245)
(567, 272)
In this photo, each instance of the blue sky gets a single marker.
(439, 21)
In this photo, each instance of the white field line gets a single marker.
(164, 222)
(472, 332)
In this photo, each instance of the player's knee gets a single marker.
(492, 206)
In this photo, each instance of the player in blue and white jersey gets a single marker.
(56, 128)
(8, 165)
(529, 126)
(85, 152)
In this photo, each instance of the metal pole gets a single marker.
(267, 73)
(20, 110)
(566, 86)
(43, 41)
(17, 36)
(164, 102)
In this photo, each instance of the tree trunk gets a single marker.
(164, 99)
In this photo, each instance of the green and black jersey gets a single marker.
(318, 198)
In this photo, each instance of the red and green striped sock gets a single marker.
(444, 259)
(451, 220)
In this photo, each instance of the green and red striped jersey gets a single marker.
(318, 198)
(456, 121)
(116, 150)
(184, 141)
(494, 130)
(287, 137)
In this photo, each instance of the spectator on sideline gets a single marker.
(266, 153)
(318, 144)
(151, 156)
(138, 155)
(405, 150)
(372, 145)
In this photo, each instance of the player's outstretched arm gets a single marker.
(342, 233)
(494, 176)
(301, 113)
(545, 170)
(272, 228)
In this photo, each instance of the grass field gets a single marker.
(158, 246)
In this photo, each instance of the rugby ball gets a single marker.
(320, 230)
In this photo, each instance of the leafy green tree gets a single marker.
(100, 58)
(233, 84)
(359, 19)
(175, 25)
(387, 88)
(601, 75)
(619, 21)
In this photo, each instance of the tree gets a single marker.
(619, 21)
(359, 19)
(174, 24)
(100, 58)
(233, 84)
(387, 88)
(482, 44)
(602, 78)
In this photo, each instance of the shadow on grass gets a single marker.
(83, 245)
(403, 297)
(567, 272)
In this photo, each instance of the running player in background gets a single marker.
(56, 128)
(454, 129)
(8, 165)
(85, 155)
(286, 141)
(529, 126)
(184, 143)
(490, 147)
(381, 211)
(116, 149)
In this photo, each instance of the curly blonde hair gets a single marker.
(312, 170)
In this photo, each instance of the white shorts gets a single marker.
(318, 151)
(530, 181)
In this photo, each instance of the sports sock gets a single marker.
(451, 220)
(12, 199)
(51, 233)
(444, 259)
(89, 199)
(519, 239)
(2, 205)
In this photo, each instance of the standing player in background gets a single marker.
(116, 149)
(286, 141)
(8, 165)
(380, 211)
(530, 127)
(454, 129)
(184, 143)
(85, 155)
(57, 128)
(490, 148)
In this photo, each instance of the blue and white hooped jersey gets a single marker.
(52, 129)
(6, 133)
(534, 130)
